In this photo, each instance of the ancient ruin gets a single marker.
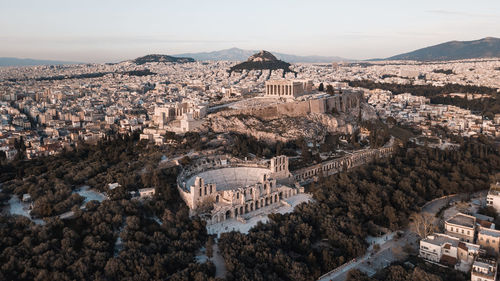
(221, 188)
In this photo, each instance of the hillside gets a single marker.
(236, 54)
(161, 58)
(262, 60)
(455, 50)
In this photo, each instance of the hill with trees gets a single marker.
(455, 50)
(161, 58)
(263, 60)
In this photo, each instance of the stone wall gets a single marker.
(337, 103)
(334, 166)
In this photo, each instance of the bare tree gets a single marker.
(422, 224)
(399, 253)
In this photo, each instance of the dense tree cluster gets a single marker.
(487, 106)
(245, 145)
(320, 236)
(158, 238)
(444, 71)
(124, 239)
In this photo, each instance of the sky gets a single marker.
(110, 30)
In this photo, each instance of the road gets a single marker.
(391, 250)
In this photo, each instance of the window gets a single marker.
(462, 231)
(451, 229)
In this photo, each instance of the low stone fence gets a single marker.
(331, 167)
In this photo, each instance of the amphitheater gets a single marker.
(219, 189)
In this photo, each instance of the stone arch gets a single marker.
(228, 214)
(236, 212)
(256, 204)
(281, 195)
(275, 198)
(241, 210)
(246, 208)
(217, 199)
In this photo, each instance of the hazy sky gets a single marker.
(109, 30)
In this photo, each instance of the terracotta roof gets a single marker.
(448, 260)
(484, 223)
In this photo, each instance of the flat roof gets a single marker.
(490, 232)
(463, 220)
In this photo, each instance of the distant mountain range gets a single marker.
(236, 54)
(161, 58)
(4, 61)
(455, 50)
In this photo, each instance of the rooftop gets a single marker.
(494, 189)
(489, 232)
(463, 220)
(439, 239)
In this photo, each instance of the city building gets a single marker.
(489, 239)
(146, 192)
(461, 226)
(288, 89)
(448, 250)
(493, 197)
(484, 270)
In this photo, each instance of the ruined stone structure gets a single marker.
(324, 104)
(178, 111)
(288, 89)
(221, 189)
(336, 165)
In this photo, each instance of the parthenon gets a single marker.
(288, 89)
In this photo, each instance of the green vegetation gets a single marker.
(262, 65)
(143, 72)
(83, 248)
(159, 240)
(444, 71)
(161, 58)
(320, 236)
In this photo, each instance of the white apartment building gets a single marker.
(484, 270)
(448, 250)
(493, 197)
